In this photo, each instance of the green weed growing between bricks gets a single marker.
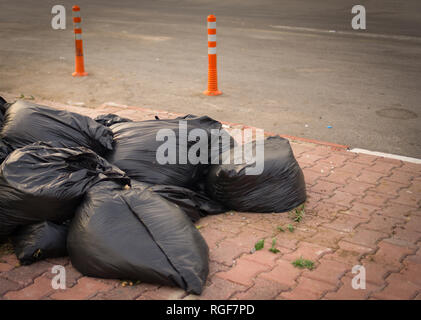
(259, 244)
(273, 249)
(298, 213)
(303, 263)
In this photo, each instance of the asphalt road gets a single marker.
(289, 66)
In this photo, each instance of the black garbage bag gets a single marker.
(40, 182)
(280, 187)
(26, 123)
(4, 151)
(194, 204)
(134, 234)
(3, 107)
(40, 241)
(109, 119)
(136, 150)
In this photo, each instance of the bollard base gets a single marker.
(79, 74)
(212, 93)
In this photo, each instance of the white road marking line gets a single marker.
(386, 155)
(350, 33)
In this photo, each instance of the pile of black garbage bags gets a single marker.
(93, 190)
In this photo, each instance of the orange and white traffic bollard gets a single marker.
(79, 64)
(212, 73)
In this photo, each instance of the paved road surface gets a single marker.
(279, 66)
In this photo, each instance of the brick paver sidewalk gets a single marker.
(361, 210)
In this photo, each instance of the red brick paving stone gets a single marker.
(345, 223)
(412, 271)
(413, 168)
(308, 158)
(329, 271)
(299, 148)
(329, 210)
(125, 293)
(382, 223)
(39, 289)
(310, 176)
(227, 251)
(413, 223)
(400, 176)
(165, 293)
(398, 288)
(8, 285)
(353, 167)
(262, 290)
(369, 176)
(375, 272)
(289, 239)
(284, 273)
(327, 237)
(396, 162)
(346, 292)
(325, 188)
(342, 198)
(321, 168)
(248, 237)
(320, 150)
(416, 212)
(356, 187)
(348, 253)
(313, 199)
(415, 188)
(388, 187)
(25, 274)
(375, 198)
(5, 267)
(383, 167)
(365, 237)
(265, 256)
(362, 210)
(364, 159)
(408, 198)
(337, 159)
(410, 236)
(286, 240)
(243, 272)
(307, 250)
(220, 289)
(10, 259)
(414, 258)
(391, 253)
(84, 289)
(313, 221)
(307, 289)
(212, 236)
(215, 267)
(228, 225)
(395, 211)
(269, 226)
(340, 176)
